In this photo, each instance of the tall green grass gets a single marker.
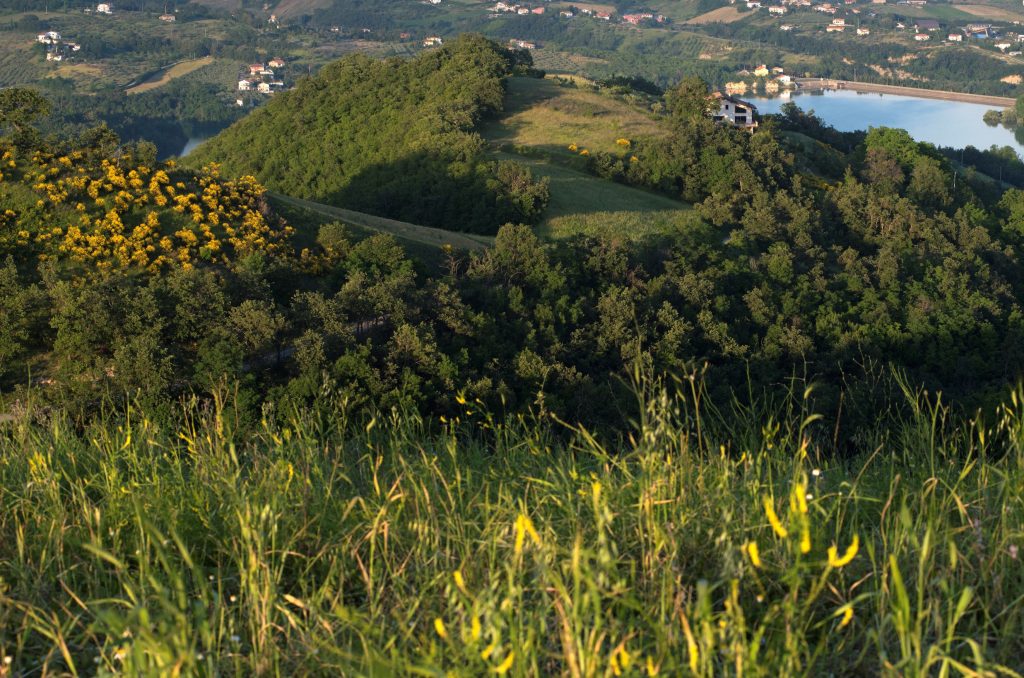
(324, 543)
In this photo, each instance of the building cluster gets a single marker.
(102, 8)
(633, 18)
(262, 78)
(924, 30)
(775, 79)
(508, 8)
(57, 48)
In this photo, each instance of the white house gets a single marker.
(244, 85)
(279, 62)
(104, 8)
(168, 18)
(53, 56)
(863, 31)
(777, 9)
(49, 38)
(921, 37)
(433, 41)
(734, 111)
(263, 88)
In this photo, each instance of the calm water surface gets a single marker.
(195, 141)
(943, 123)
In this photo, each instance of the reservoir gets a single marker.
(191, 144)
(943, 123)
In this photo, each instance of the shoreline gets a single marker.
(870, 87)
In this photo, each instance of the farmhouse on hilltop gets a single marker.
(734, 111)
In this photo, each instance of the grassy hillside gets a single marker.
(544, 119)
(331, 544)
(542, 115)
(584, 204)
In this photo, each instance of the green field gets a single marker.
(541, 114)
(584, 204)
(542, 119)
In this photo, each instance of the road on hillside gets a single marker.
(436, 237)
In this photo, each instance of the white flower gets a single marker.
(816, 472)
(233, 599)
(199, 657)
(1013, 551)
(235, 639)
(8, 659)
(810, 496)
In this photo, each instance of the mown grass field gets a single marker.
(707, 542)
(543, 115)
(542, 119)
(582, 204)
(178, 70)
(990, 12)
(723, 15)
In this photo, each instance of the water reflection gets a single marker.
(943, 123)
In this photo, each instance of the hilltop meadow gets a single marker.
(392, 378)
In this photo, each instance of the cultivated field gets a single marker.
(176, 71)
(990, 12)
(723, 15)
(292, 8)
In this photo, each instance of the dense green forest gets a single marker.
(370, 135)
(236, 436)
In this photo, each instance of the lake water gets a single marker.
(943, 123)
(191, 144)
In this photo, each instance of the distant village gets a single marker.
(261, 78)
(924, 30)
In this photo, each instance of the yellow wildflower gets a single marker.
(755, 555)
(439, 627)
(524, 527)
(805, 537)
(835, 560)
(474, 628)
(773, 519)
(502, 668)
(846, 612)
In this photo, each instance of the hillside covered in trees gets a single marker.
(371, 134)
(237, 436)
